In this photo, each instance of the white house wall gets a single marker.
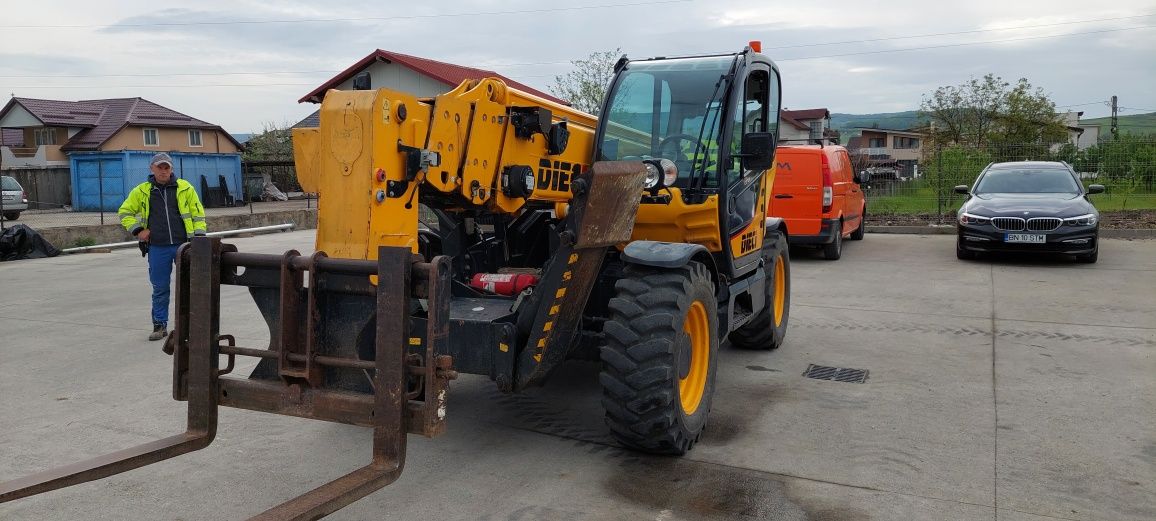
(19, 117)
(397, 77)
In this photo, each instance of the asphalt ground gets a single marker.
(1010, 389)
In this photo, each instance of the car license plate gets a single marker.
(1025, 237)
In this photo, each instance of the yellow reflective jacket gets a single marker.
(134, 212)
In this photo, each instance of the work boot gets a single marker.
(159, 332)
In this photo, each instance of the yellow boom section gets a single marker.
(377, 152)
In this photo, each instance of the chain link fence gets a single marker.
(924, 194)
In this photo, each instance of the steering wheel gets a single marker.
(676, 138)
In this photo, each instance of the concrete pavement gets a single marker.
(1009, 389)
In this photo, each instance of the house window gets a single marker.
(905, 142)
(816, 129)
(877, 142)
(194, 138)
(45, 136)
(151, 139)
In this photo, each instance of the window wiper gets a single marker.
(696, 181)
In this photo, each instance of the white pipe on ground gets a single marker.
(226, 233)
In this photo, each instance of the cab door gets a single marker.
(853, 200)
(744, 209)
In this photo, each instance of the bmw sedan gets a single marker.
(1028, 206)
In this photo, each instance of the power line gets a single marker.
(358, 19)
(963, 44)
(165, 74)
(974, 31)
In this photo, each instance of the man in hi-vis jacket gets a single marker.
(162, 213)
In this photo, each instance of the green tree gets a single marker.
(991, 112)
(273, 143)
(585, 86)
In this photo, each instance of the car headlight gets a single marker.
(967, 218)
(1082, 220)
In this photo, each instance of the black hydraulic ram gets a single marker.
(315, 364)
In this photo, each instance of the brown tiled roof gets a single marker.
(103, 118)
(447, 73)
(799, 115)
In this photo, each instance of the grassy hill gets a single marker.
(1134, 123)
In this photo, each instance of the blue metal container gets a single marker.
(102, 180)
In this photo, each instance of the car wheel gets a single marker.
(961, 253)
(835, 250)
(1089, 258)
(11, 216)
(857, 235)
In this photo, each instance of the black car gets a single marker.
(1028, 206)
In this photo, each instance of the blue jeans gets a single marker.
(161, 259)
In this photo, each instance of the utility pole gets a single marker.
(1115, 130)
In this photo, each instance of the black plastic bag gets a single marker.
(21, 242)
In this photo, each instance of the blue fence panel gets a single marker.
(121, 171)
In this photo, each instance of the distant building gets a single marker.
(887, 153)
(421, 77)
(806, 126)
(88, 154)
(1081, 135)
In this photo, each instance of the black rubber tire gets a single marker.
(761, 332)
(645, 341)
(835, 250)
(963, 254)
(1089, 258)
(11, 216)
(859, 232)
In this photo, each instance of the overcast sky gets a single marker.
(244, 63)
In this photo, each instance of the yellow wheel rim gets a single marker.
(692, 388)
(780, 289)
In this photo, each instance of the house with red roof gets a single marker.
(806, 126)
(421, 77)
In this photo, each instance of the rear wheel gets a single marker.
(11, 216)
(768, 329)
(835, 250)
(859, 232)
(658, 364)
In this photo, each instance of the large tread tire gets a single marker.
(769, 328)
(835, 250)
(648, 350)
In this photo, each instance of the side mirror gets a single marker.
(1095, 189)
(758, 150)
(962, 189)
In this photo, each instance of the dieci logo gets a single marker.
(556, 175)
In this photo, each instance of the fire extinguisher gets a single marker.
(509, 284)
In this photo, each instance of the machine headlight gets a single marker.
(967, 218)
(1082, 220)
(660, 173)
(653, 176)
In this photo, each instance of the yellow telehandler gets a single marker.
(488, 231)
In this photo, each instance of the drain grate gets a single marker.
(838, 374)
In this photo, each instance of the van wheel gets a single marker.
(857, 235)
(659, 361)
(769, 327)
(835, 250)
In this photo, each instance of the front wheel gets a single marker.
(659, 361)
(768, 329)
(1089, 258)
